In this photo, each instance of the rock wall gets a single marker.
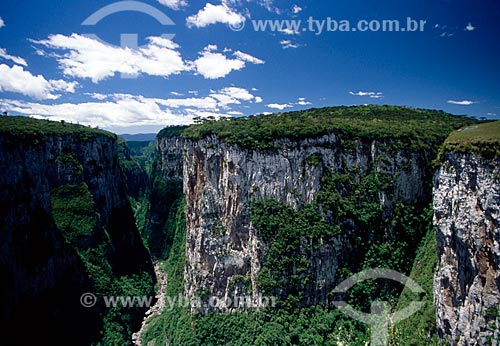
(221, 179)
(165, 189)
(467, 220)
(42, 275)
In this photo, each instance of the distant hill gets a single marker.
(139, 137)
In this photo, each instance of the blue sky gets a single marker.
(213, 60)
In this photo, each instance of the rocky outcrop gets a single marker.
(467, 220)
(42, 274)
(221, 180)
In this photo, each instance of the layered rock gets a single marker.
(467, 220)
(221, 180)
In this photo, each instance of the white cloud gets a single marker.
(2, 23)
(296, 9)
(202, 103)
(212, 14)
(268, 5)
(302, 102)
(491, 114)
(470, 27)
(216, 65)
(16, 79)
(15, 59)
(97, 96)
(371, 94)
(289, 31)
(279, 106)
(248, 58)
(84, 57)
(213, 65)
(89, 58)
(258, 99)
(238, 93)
(286, 44)
(462, 103)
(232, 95)
(175, 93)
(125, 110)
(174, 4)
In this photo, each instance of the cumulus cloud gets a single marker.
(2, 23)
(125, 110)
(371, 94)
(303, 102)
(233, 95)
(15, 59)
(16, 79)
(174, 4)
(122, 110)
(296, 9)
(84, 57)
(462, 103)
(203, 103)
(279, 106)
(213, 65)
(470, 27)
(88, 58)
(212, 14)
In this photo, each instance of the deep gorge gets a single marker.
(287, 205)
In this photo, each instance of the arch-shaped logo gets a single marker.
(128, 40)
(379, 317)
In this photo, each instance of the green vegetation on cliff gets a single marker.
(378, 239)
(417, 127)
(136, 177)
(176, 325)
(33, 130)
(75, 215)
(481, 138)
(171, 131)
(74, 212)
(422, 325)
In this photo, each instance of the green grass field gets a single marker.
(484, 138)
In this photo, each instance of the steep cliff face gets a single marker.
(165, 189)
(288, 205)
(42, 275)
(467, 219)
(136, 177)
(221, 180)
(169, 156)
(42, 257)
